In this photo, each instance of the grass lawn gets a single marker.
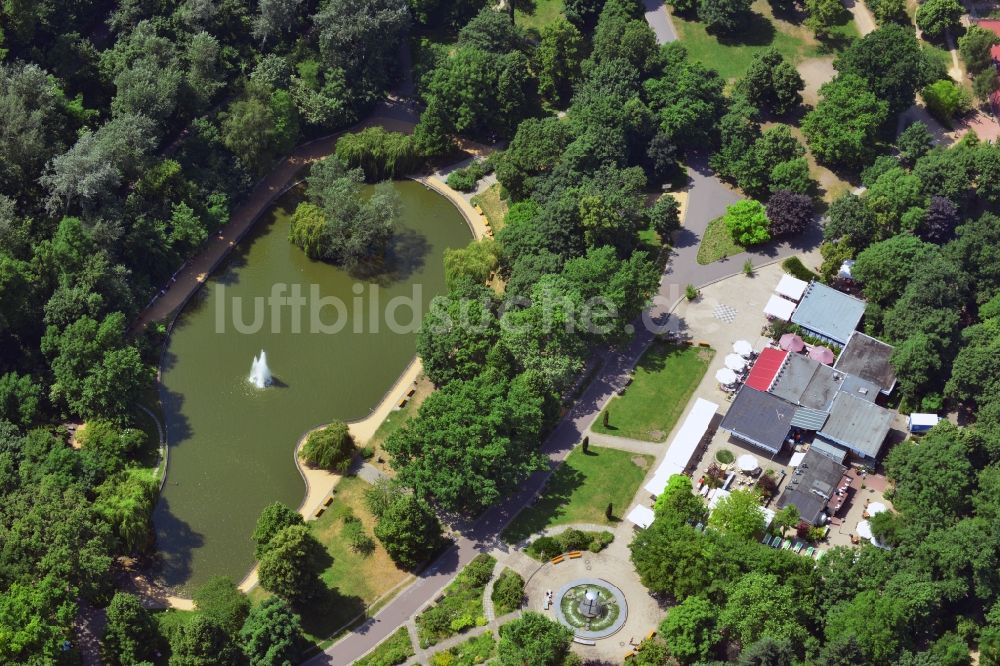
(494, 208)
(473, 651)
(664, 380)
(394, 650)
(717, 243)
(353, 580)
(393, 422)
(540, 14)
(730, 56)
(580, 489)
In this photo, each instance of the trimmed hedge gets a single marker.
(544, 548)
(508, 592)
(464, 180)
(794, 267)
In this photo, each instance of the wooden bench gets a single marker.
(651, 635)
(558, 559)
(319, 512)
(402, 403)
(409, 394)
(328, 501)
(629, 655)
(575, 555)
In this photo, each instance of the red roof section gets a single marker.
(765, 368)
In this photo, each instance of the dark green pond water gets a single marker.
(231, 443)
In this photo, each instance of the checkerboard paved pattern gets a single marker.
(725, 313)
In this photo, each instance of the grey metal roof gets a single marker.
(861, 388)
(868, 358)
(806, 382)
(832, 451)
(810, 506)
(829, 312)
(857, 424)
(759, 418)
(811, 485)
(808, 419)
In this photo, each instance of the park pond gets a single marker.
(230, 443)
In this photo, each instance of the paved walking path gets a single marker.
(659, 20)
(626, 443)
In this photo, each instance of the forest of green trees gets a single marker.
(129, 130)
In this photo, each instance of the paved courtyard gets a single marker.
(612, 565)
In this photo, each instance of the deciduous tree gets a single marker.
(271, 635)
(975, 45)
(201, 642)
(690, 629)
(789, 213)
(290, 564)
(747, 222)
(558, 55)
(771, 83)
(409, 531)
(331, 448)
(936, 17)
(843, 127)
(533, 639)
(130, 635)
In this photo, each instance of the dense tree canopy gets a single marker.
(841, 130)
(474, 439)
(533, 639)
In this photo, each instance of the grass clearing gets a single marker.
(492, 205)
(392, 651)
(580, 490)
(353, 580)
(462, 605)
(664, 380)
(476, 650)
(540, 13)
(731, 56)
(717, 243)
(393, 422)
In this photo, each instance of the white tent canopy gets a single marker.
(779, 307)
(641, 515)
(747, 462)
(797, 459)
(735, 362)
(742, 347)
(684, 444)
(864, 529)
(791, 287)
(876, 508)
(725, 376)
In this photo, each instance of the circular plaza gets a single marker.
(598, 596)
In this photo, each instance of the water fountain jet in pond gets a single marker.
(260, 374)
